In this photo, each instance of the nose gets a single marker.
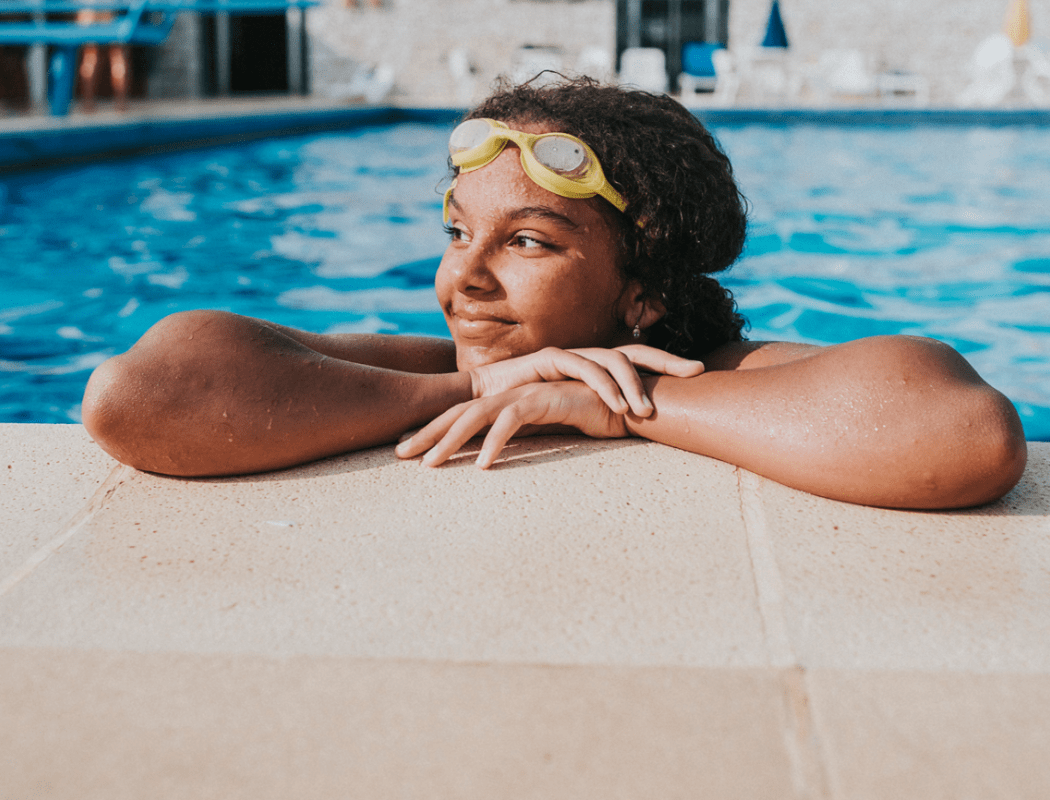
(468, 269)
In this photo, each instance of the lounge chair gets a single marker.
(595, 62)
(718, 89)
(464, 75)
(902, 85)
(768, 74)
(992, 73)
(644, 68)
(1036, 79)
(529, 62)
(843, 74)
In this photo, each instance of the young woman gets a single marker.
(585, 223)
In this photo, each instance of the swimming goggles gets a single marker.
(557, 162)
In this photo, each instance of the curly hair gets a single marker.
(677, 182)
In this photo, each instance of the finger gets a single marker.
(475, 419)
(660, 361)
(619, 366)
(613, 379)
(557, 365)
(625, 373)
(509, 422)
(429, 435)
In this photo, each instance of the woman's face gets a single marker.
(526, 268)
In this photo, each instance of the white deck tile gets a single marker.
(48, 475)
(89, 725)
(881, 589)
(933, 736)
(573, 552)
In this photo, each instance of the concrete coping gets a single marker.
(588, 618)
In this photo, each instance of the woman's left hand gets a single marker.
(612, 373)
(566, 403)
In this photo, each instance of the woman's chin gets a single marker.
(470, 357)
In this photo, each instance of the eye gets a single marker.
(457, 234)
(526, 242)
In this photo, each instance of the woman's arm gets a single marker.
(892, 421)
(889, 421)
(211, 393)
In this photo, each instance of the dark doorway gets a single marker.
(258, 53)
(14, 80)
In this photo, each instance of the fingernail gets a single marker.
(647, 402)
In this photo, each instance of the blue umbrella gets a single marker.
(776, 36)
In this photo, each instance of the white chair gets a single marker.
(644, 68)
(768, 74)
(464, 75)
(843, 74)
(1036, 79)
(727, 82)
(899, 85)
(380, 85)
(992, 73)
(530, 61)
(595, 62)
(370, 83)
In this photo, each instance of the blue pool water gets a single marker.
(933, 230)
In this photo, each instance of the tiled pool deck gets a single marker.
(587, 619)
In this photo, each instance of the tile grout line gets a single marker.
(98, 501)
(808, 772)
(768, 585)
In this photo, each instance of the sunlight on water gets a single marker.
(935, 231)
(856, 231)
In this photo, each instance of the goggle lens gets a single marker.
(561, 155)
(469, 135)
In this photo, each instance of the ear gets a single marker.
(641, 309)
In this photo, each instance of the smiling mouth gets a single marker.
(478, 325)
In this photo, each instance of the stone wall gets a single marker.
(175, 67)
(415, 38)
(934, 38)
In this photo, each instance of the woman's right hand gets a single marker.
(529, 409)
(612, 374)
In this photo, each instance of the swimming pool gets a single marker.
(856, 230)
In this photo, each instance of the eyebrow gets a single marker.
(526, 212)
(544, 213)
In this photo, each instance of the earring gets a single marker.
(637, 332)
